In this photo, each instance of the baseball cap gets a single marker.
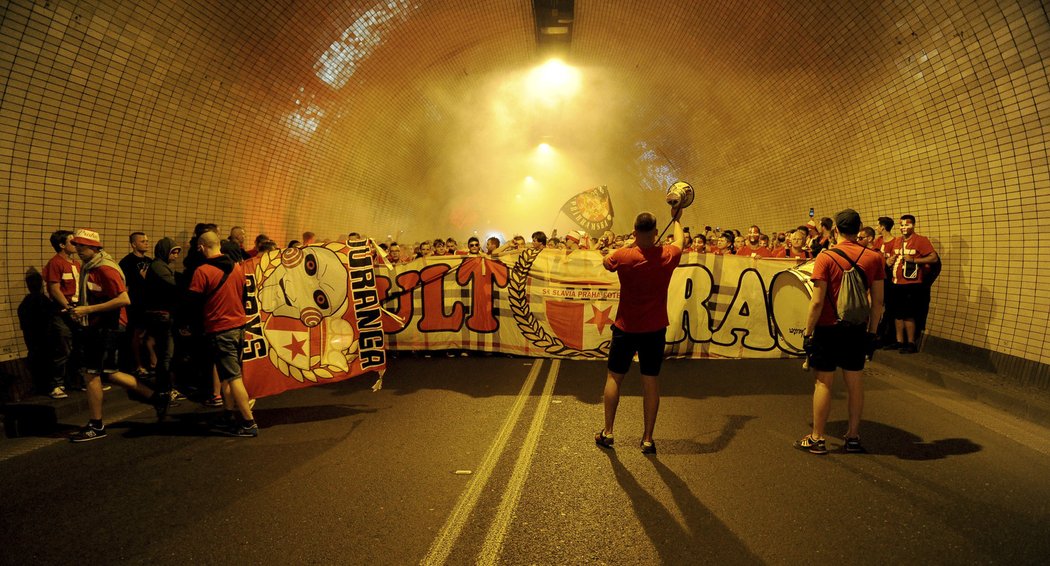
(86, 237)
(848, 221)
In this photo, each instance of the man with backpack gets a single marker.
(844, 313)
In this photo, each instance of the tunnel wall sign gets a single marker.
(552, 304)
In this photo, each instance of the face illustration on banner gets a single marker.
(305, 297)
(309, 285)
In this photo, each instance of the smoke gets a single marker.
(507, 150)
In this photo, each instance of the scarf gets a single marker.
(101, 258)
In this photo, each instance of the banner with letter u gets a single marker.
(550, 303)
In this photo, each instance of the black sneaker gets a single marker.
(88, 433)
(243, 431)
(812, 445)
(892, 346)
(161, 401)
(603, 440)
(225, 425)
(853, 445)
(908, 348)
(648, 447)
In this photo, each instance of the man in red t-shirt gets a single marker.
(832, 344)
(753, 245)
(218, 287)
(796, 247)
(644, 270)
(906, 256)
(62, 281)
(103, 298)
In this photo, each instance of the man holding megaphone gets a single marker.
(644, 269)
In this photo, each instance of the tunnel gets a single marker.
(422, 119)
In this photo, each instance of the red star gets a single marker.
(296, 347)
(600, 318)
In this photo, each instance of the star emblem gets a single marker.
(600, 318)
(296, 347)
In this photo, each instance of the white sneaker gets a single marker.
(58, 393)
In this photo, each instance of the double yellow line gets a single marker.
(493, 545)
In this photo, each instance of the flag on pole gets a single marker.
(591, 210)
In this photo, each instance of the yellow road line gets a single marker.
(490, 551)
(446, 539)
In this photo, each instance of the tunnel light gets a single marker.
(553, 82)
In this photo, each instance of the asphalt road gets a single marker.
(342, 475)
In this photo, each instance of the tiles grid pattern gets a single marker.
(158, 114)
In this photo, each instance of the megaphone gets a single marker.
(680, 195)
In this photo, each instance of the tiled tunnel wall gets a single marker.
(283, 116)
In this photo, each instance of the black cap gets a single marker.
(848, 222)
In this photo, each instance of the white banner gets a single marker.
(551, 303)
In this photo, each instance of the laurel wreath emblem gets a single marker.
(528, 325)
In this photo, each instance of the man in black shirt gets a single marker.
(135, 265)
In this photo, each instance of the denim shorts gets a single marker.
(226, 350)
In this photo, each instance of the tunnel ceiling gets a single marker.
(426, 97)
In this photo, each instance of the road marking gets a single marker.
(490, 551)
(446, 539)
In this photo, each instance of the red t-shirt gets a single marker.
(788, 252)
(103, 284)
(916, 246)
(644, 276)
(747, 250)
(224, 308)
(868, 260)
(66, 273)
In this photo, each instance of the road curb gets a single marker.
(1027, 403)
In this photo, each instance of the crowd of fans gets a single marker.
(802, 242)
(165, 323)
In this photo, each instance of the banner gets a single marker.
(591, 210)
(551, 303)
(313, 317)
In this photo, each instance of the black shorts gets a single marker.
(839, 346)
(909, 301)
(136, 317)
(227, 348)
(99, 348)
(648, 345)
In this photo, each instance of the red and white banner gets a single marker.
(313, 317)
(551, 303)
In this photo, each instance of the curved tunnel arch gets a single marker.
(121, 115)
